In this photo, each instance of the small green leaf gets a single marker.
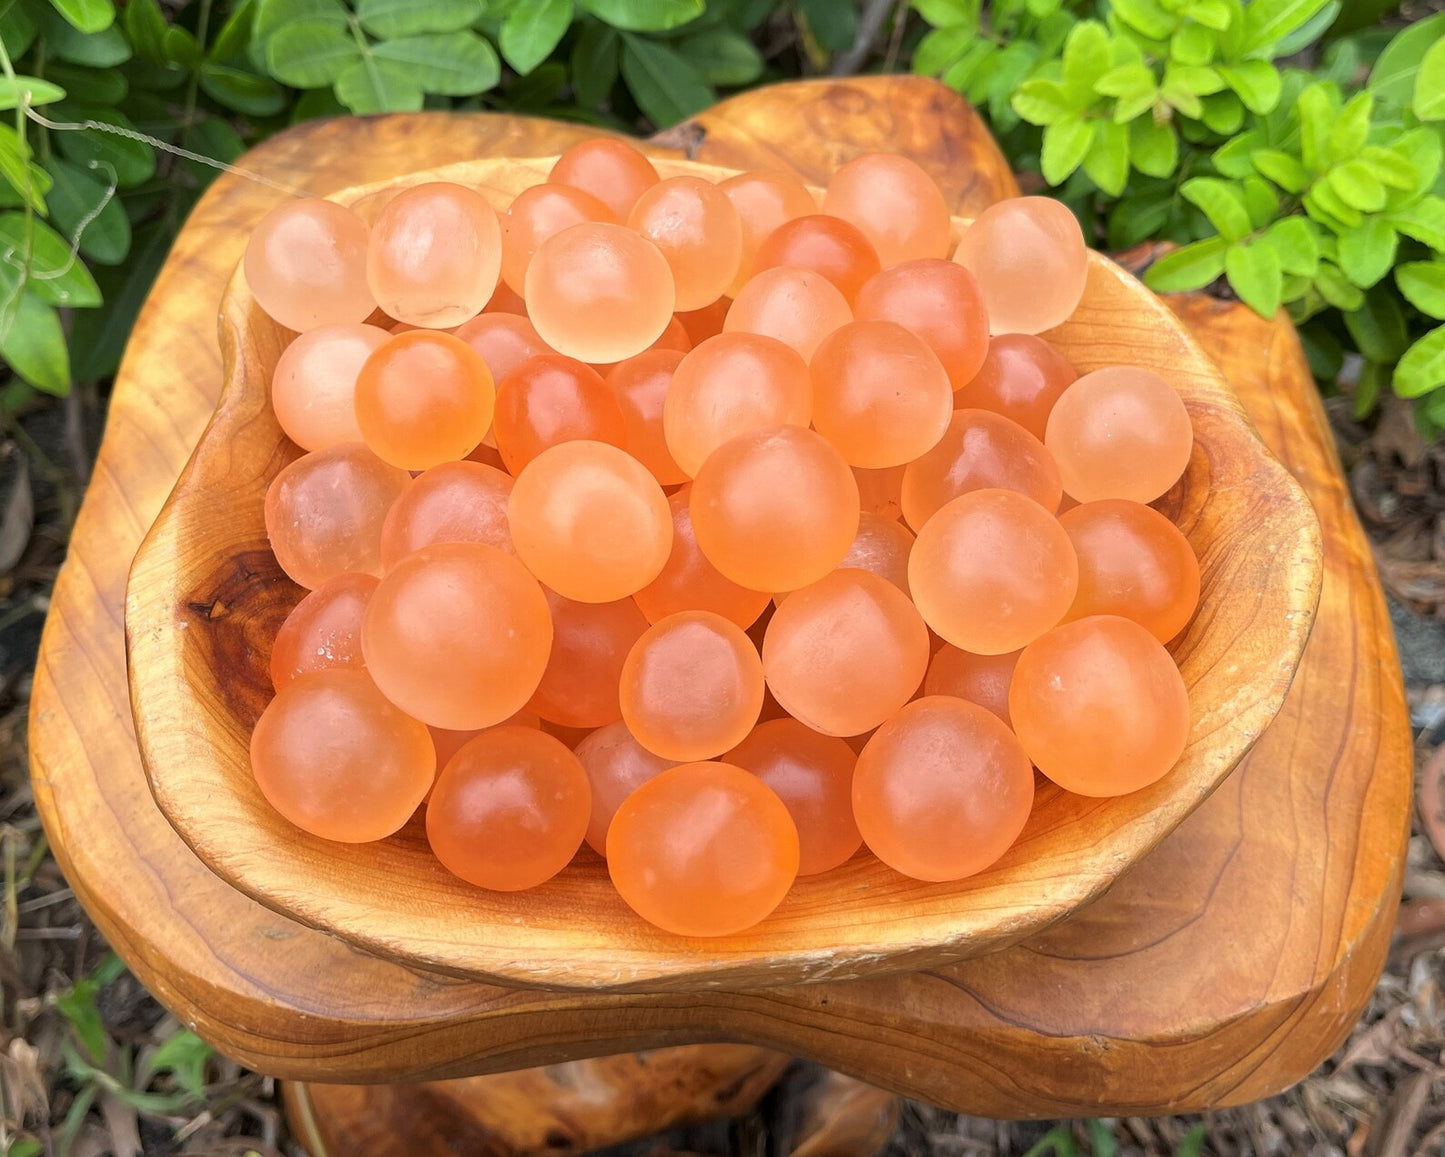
(1351, 128)
(391, 18)
(1042, 102)
(1193, 44)
(1260, 200)
(1199, 79)
(1153, 148)
(89, 85)
(1424, 221)
(595, 62)
(319, 102)
(1357, 186)
(1373, 377)
(28, 179)
(57, 276)
(1308, 32)
(1180, 98)
(371, 86)
(18, 29)
(1316, 116)
(235, 33)
(645, 15)
(28, 90)
(531, 31)
(943, 13)
(1422, 366)
(1085, 60)
(184, 1055)
(76, 196)
(1393, 78)
(941, 48)
(1389, 167)
(1256, 82)
(1125, 80)
(179, 47)
(145, 26)
(94, 50)
(963, 73)
(1221, 202)
(1133, 219)
(1336, 289)
(1146, 17)
(1254, 273)
(242, 91)
(1368, 251)
(1223, 113)
(1128, 109)
(1066, 143)
(446, 63)
(1233, 159)
(724, 57)
(274, 15)
(78, 1004)
(1326, 206)
(832, 25)
(131, 161)
(1281, 168)
(86, 15)
(1191, 267)
(1378, 327)
(1429, 102)
(1294, 239)
(1423, 284)
(1214, 14)
(311, 53)
(1107, 161)
(1268, 21)
(665, 85)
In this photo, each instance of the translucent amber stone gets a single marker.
(616, 765)
(313, 390)
(799, 307)
(939, 302)
(827, 245)
(590, 642)
(1021, 377)
(696, 228)
(1029, 259)
(323, 630)
(894, 203)
(305, 265)
(453, 502)
(611, 170)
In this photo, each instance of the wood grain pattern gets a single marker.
(206, 597)
(1222, 971)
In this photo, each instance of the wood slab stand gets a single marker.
(1223, 970)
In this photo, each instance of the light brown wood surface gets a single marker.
(1224, 969)
(206, 596)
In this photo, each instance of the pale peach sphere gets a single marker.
(313, 390)
(435, 255)
(306, 265)
(617, 765)
(611, 170)
(763, 200)
(599, 292)
(895, 203)
(505, 341)
(797, 306)
(728, 385)
(590, 521)
(1028, 256)
(324, 512)
(881, 491)
(882, 546)
(536, 214)
(981, 679)
(453, 502)
(696, 228)
(1121, 432)
(640, 384)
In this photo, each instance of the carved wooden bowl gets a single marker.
(206, 596)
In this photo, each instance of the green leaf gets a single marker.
(1191, 267)
(1125, 80)
(963, 72)
(77, 197)
(446, 63)
(1348, 133)
(1232, 159)
(1133, 219)
(311, 53)
(1393, 78)
(372, 85)
(1223, 113)
(1268, 21)
(390, 18)
(1368, 251)
(1153, 148)
(1422, 366)
(1281, 168)
(274, 15)
(1423, 284)
(57, 276)
(97, 336)
(1256, 82)
(28, 90)
(78, 1004)
(18, 29)
(1199, 79)
(1220, 201)
(319, 102)
(184, 1055)
(1378, 327)
(595, 60)
(1424, 221)
(1390, 167)
(1086, 59)
(235, 33)
(540, 90)
(95, 50)
(180, 48)
(941, 48)
(86, 15)
(1308, 32)
(1357, 186)
(834, 26)
(724, 57)
(89, 85)
(1429, 102)
(1254, 273)
(1316, 117)
(145, 27)
(1176, 95)
(942, 13)
(1042, 102)
(1326, 206)
(131, 161)
(244, 92)
(1107, 161)
(665, 85)
(1373, 376)
(1260, 200)
(1294, 239)
(28, 179)
(1193, 44)
(1146, 17)
(531, 31)
(1065, 145)
(1336, 289)
(645, 15)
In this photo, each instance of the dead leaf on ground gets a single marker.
(17, 511)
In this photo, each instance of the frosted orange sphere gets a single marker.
(616, 765)
(509, 809)
(599, 292)
(611, 170)
(337, 760)
(1021, 377)
(313, 390)
(881, 546)
(797, 306)
(701, 324)
(549, 400)
(457, 635)
(424, 398)
(688, 582)
(981, 679)
(879, 394)
(590, 642)
(979, 451)
(813, 775)
(448, 743)
(844, 654)
(775, 509)
(435, 255)
(729, 385)
(1100, 706)
(992, 571)
(881, 491)
(733, 866)
(826, 245)
(1028, 256)
(504, 340)
(894, 203)
(1120, 433)
(942, 790)
(324, 512)
(692, 686)
(323, 630)
(1133, 562)
(305, 265)
(763, 201)
(696, 228)
(640, 385)
(939, 302)
(536, 214)
(590, 522)
(453, 502)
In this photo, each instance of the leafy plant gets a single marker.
(1172, 119)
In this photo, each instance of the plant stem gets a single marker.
(203, 23)
(20, 126)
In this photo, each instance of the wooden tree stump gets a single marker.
(1223, 970)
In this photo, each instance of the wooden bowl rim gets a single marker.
(630, 957)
